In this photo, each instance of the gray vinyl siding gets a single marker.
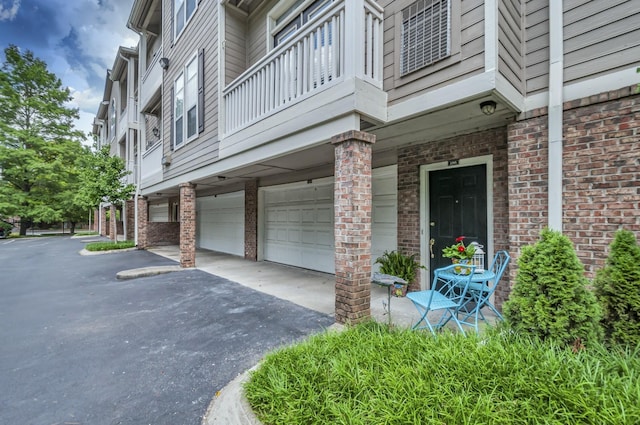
(510, 43)
(257, 29)
(467, 48)
(536, 46)
(600, 36)
(201, 32)
(235, 47)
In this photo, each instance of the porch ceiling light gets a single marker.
(488, 107)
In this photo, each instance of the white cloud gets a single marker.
(8, 13)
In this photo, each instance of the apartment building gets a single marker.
(319, 133)
(116, 126)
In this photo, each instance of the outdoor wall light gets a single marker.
(488, 107)
(164, 63)
(156, 131)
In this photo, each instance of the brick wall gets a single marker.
(187, 225)
(159, 233)
(410, 159)
(601, 165)
(131, 223)
(251, 220)
(143, 227)
(104, 224)
(353, 225)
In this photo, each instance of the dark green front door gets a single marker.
(457, 207)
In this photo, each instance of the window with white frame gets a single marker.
(426, 33)
(295, 17)
(185, 117)
(183, 10)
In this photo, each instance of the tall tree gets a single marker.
(103, 180)
(38, 143)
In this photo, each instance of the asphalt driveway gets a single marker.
(80, 347)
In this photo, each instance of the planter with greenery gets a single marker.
(618, 291)
(396, 263)
(550, 299)
(109, 246)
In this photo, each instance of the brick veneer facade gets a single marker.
(163, 233)
(411, 158)
(104, 229)
(143, 218)
(113, 224)
(352, 203)
(131, 222)
(601, 165)
(251, 220)
(187, 225)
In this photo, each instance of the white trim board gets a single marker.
(487, 160)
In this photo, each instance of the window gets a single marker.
(187, 103)
(183, 10)
(123, 95)
(425, 36)
(292, 19)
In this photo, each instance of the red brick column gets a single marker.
(187, 225)
(251, 220)
(130, 217)
(103, 222)
(113, 223)
(352, 230)
(96, 216)
(143, 218)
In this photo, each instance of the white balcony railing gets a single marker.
(344, 41)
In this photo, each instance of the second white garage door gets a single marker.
(298, 221)
(220, 223)
(298, 225)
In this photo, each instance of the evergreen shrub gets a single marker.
(550, 299)
(617, 288)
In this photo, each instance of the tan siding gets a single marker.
(200, 33)
(467, 56)
(536, 35)
(235, 45)
(257, 28)
(600, 37)
(510, 39)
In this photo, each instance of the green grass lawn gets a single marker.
(109, 246)
(370, 375)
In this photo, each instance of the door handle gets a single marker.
(432, 242)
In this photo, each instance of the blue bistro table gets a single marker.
(389, 281)
(479, 281)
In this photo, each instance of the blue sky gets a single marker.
(78, 39)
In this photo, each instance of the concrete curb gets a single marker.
(113, 251)
(229, 406)
(148, 271)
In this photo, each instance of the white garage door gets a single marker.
(384, 232)
(220, 223)
(298, 225)
(298, 221)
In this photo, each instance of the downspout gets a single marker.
(556, 84)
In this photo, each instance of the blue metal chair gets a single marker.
(479, 293)
(446, 295)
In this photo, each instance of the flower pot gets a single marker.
(459, 269)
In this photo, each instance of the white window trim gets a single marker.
(183, 75)
(276, 12)
(177, 34)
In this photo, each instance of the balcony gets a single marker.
(328, 70)
(151, 80)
